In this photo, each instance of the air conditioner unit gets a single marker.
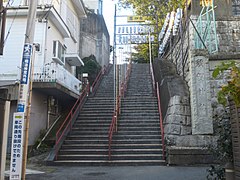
(58, 52)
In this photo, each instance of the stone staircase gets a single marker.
(87, 143)
(138, 140)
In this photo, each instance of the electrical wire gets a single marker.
(10, 27)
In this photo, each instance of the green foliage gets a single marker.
(156, 11)
(215, 172)
(222, 151)
(91, 67)
(232, 88)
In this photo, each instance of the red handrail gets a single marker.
(116, 113)
(157, 92)
(153, 79)
(161, 120)
(103, 71)
(68, 122)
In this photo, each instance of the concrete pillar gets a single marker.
(4, 118)
(200, 96)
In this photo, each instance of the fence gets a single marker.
(235, 125)
(53, 72)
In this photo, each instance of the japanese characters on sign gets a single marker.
(24, 81)
(134, 39)
(16, 152)
(134, 34)
(137, 18)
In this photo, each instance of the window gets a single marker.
(58, 52)
(236, 7)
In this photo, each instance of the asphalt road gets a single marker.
(120, 173)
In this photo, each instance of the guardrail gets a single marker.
(157, 93)
(116, 113)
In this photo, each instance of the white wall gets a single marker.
(38, 116)
(10, 62)
(91, 4)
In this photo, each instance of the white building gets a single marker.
(57, 55)
(94, 5)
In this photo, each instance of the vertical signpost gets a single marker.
(17, 139)
(21, 117)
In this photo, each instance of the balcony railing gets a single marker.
(53, 72)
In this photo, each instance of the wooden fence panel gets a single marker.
(235, 125)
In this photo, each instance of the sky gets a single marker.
(108, 13)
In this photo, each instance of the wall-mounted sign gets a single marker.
(137, 18)
(17, 141)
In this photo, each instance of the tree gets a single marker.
(156, 11)
(91, 67)
(232, 88)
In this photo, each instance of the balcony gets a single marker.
(73, 59)
(54, 77)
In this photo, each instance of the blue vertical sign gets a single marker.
(24, 81)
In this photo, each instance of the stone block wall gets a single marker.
(178, 117)
(191, 125)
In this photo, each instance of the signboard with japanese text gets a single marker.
(135, 34)
(24, 81)
(134, 39)
(137, 18)
(17, 141)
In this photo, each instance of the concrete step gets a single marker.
(113, 157)
(113, 146)
(116, 141)
(113, 151)
(107, 162)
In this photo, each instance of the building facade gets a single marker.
(56, 41)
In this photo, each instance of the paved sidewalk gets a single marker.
(120, 173)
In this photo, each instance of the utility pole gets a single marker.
(21, 117)
(3, 12)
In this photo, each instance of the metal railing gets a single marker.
(157, 93)
(116, 113)
(52, 72)
(71, 117)
(96, 82)
(161, 121)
